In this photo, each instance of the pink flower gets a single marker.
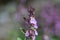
(27, 34)
(33, 20)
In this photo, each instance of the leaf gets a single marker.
(19, 38)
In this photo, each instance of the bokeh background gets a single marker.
(47, 16)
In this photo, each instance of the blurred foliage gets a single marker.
(12, 35)
(4, 1)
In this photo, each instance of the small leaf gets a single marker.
(19, 38)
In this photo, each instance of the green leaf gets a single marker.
(19, 38)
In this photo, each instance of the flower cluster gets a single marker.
(31, 32)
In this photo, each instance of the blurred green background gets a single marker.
(9, 27)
